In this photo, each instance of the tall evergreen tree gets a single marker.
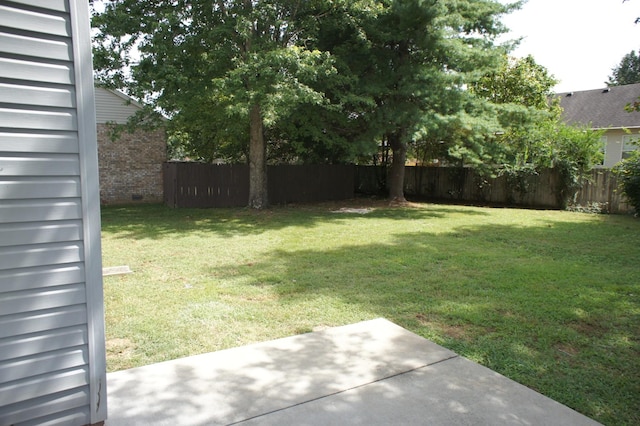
(627, 71)
(418, 57)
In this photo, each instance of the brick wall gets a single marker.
(131, 166)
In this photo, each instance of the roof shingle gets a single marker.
(601, 108)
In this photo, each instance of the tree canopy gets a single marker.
(520, 90)
(627, 71)
(413, 61)
(316, 80)
(222, 70)
(533, 134)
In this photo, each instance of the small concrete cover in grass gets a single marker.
(353, 210)
(116, 270)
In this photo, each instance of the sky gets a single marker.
(578, 41)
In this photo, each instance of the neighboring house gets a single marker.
(605, 109)
(130, 166)
(52, 341)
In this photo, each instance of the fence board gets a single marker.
(601, 187)
(464, 185)
(208, 185)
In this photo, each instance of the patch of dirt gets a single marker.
(506, 313)
(588, 329)
(454, 331)
(362, 203)
(121, 347)
(566, 350)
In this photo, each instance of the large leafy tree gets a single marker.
(223, 70)
(520, 90)
(319, 79)
(533, 135)
(627, 71)
(414, 59)
(519, 81)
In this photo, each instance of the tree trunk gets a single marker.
(257, 160)
(399, 158)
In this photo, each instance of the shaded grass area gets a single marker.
(550, 299)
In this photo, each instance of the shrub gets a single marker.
(628, 171)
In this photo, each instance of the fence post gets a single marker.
(169, 184)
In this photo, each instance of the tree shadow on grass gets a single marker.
(156, 221)
(543, 305)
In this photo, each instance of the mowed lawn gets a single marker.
(550, 299)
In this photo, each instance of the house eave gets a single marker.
(616, 128)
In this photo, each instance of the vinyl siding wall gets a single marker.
(52, 368)
(613, 147)
(113, 108)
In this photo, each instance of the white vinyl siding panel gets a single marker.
(30, 187)
(40, 165)
(45, 384)
(38, 299)
(42, 277)
(38, 119)
(40, 96)
(46, 320)
(46, 5)
(113, 108)
(38, 47)
(19, 211)
(27, 20)
(36, 71)
(43, 342)
(58, 143)
(41, 364)
(39, 232)
(47, 405)
(40, 255)
(52, 368)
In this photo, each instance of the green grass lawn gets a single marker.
(550, 299)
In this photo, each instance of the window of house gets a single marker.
(603, 148)
(630, 143)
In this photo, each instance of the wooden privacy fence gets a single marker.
(465, 185)
(602, 188)
(208, 185)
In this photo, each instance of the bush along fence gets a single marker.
(207, 185)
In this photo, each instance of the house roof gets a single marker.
(601, 108)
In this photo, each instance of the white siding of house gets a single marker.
(613, 150)
(113, 108)
(52, 367)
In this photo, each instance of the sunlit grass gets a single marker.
(550, 299)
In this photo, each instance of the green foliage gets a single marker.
(517, 81)
(572, 150)
(520, 90)
(205, 64)
(414, 64)
(628, 171)
(532, 135)
(224, 72)
(627, 72)
(325, 80)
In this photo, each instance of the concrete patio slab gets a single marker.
(373, 373)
